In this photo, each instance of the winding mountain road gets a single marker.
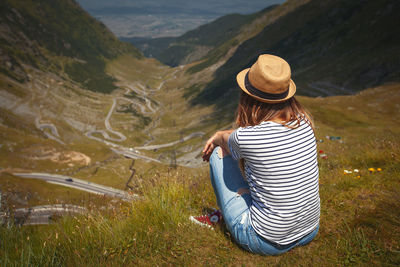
(41, 86)
(133, 152)
(40, 214)
(53, 129)
(184, 139)
(121, 136)
(79, 184)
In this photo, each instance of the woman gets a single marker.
(276, 207)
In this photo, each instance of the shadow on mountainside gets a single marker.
(333, 48)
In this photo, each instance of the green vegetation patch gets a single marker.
(192, 90)
(143, 120)
(12, 88)
(134, 95)
(213, 56)
(91, 75)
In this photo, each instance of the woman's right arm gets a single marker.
(220, 138)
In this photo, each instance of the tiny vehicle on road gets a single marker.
(69, 180)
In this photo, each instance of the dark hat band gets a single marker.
(268, 96)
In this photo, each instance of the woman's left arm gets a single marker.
(220, 138)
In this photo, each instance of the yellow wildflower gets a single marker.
(379, 169)
(371, 169)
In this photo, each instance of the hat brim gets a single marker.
(241, 80)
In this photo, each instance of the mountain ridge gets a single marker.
(334, 39)
(57, 36)
(195, 44)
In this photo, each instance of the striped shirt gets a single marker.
(282, 171)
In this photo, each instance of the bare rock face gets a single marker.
(63, 157)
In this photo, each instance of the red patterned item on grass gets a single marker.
(208, 220)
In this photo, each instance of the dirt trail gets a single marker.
(53, 134)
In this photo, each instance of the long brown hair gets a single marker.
(252, 112)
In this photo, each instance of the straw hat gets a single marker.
(268, 80)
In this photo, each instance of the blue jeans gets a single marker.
(227, 179)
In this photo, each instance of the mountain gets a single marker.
(195, 44)
(334, 47)
(160, 18)
(177, 6)
(143, 141)
(57, 36)
(51, 53)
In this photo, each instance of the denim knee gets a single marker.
(214, 155)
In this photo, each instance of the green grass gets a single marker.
(357, 230)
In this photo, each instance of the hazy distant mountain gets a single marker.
(160, 18)
(334, 47)
(221, 6)
(197, 43)
(55, 36)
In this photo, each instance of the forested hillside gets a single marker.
(334, 47)
(57, 36)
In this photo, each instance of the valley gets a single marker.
(100, 147)
(65, 135)
(66, 116)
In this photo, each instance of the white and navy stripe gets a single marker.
(282, 171)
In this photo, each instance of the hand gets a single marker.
(209, 147)
(220, 138)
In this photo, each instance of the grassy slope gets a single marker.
(347, 44)
(359, 216)
(58, 36)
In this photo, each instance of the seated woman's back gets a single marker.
(276, 149)
(282, 171)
